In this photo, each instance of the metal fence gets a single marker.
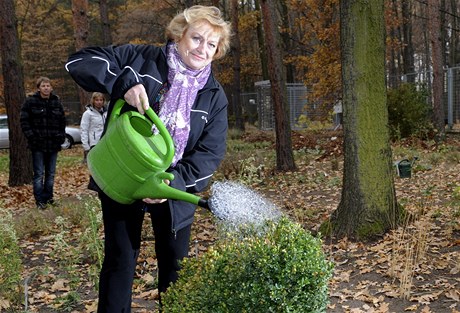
(299, 105)
(452, 96)
(297, 102)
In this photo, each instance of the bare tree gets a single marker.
(81, 33)
(434, 26)
(444, 31)
(20, 163)
(261, 42)
(284, 154)
(408, 47)
(236, 49)
(368, 204)
(105, 21)
(394, 71)
(455, 37)
(286, 37)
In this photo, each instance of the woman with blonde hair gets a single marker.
(92, 122)
(176, 80)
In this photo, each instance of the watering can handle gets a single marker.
(164, 133)
(116, 110)
(170, 150)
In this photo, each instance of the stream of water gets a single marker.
(236, 205)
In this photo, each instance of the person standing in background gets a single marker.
(92, 122)
(43, 124)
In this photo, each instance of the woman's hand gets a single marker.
(153, 201)
(137, 97)
(156, 201)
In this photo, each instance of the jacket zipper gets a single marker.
(173, 228)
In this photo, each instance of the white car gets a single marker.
(72, 135)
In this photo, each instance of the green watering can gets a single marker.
(129, 161)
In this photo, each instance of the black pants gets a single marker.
(122, 229)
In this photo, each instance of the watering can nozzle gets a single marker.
(204, 203)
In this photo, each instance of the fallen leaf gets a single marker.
(411, 308)
(150, 294)
(92, 307)
(425, 309)
(60, 285)
(148, 278)
(383, 308)
(344, 276)
(452, 294)
(4, 304)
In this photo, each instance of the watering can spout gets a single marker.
(156, 188)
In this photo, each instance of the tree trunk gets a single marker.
(236, 48)
(454, 50)
(399, 36)
(287, 46)
(368, 206)
(81, 33)
(434, 26)
(426, 45)
(393, 73)
(408, 47)
(284, 154)
(261, 42)
(20, 160)
(105, 21)
(444, 32)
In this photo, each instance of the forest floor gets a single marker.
(414, 268)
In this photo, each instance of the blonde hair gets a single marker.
(41, 80)
(96, 95)
(198, 14)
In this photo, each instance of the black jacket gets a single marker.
(43, 122)
(115, 69)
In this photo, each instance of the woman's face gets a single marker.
(198, 46)
(98, 102)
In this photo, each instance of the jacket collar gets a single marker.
(52, 96)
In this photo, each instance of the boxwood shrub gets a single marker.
(282, 269)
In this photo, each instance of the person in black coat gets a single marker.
(176, 80)
(43, 124)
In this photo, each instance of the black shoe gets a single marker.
(50, 202)
(41, 205)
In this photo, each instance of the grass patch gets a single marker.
(10, 260)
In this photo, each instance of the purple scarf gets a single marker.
(177, 103)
